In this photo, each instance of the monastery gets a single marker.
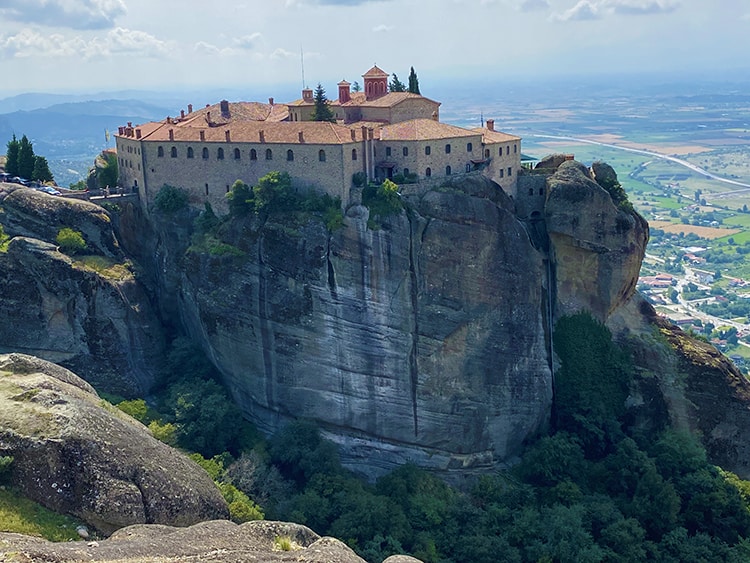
(378, 133)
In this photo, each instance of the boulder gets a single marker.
(78, 455)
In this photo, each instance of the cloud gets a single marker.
(596, 9)
(74, 14)
(247, 42)
(284, 54)
(582, 11)
(382, 28)
(119, 41)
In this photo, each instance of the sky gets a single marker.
(103, 45)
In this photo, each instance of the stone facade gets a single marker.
(381, 134)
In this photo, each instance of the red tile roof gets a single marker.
(422, 130)
(375, 72)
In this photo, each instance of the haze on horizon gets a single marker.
(102, 45)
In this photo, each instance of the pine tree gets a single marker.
(413, 82)
(322, 111)
(11, 157)
(356, 87)
(25, 158)
(41, 172)
(396, 85)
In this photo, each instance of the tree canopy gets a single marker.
(413, 82)
(322, 111)
(11, 157)
(396, 85)
(25, 158)
(21, 161)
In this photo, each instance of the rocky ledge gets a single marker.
(209, 541)
(75, 454)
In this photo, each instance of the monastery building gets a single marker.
(378, 133)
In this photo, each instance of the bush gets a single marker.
(383, 200)
(164, 432)
(359, 179)
(70, 241)
(4, 240)
(170, 199)
(136, 408)
(240, 199)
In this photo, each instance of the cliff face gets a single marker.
(99, 323)
(424, 340)
(597, 248)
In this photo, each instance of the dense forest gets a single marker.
(596, 487)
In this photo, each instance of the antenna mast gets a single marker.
(302, 59)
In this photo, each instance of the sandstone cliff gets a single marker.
(423, 340)
(73, 455)
(97, 322)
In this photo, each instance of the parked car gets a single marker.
(19, 180)
(49, 190)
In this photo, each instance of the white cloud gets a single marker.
(596, 9)
(247, 42)
(382, 28)
(584, 10)
(74, 14)
(284, 54)
(119, 41)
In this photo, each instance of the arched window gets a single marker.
(160, 151)
(469, 147)
(405, 150)
(428, 172)
(515, 149)
(448, 170)
(500, 152)
(173, 152)
(387, 151)
(468, 167)
(290, 154)
(448, 148)
(237, 154)
(322, 155)
(220, 154)
(269, 154)
(486, 153)
(253, 154)
(190, 152)
(427, 150)
(507, 149)
(354, 154)
(406, 172)
(541, 191)
(205, 153)
(531, 191)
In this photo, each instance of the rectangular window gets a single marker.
(510, 171)
(387, 151)
(502, 173)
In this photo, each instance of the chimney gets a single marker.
(208, 117)
(130, 124)
(490, 125)
(224, 108)
(137, 133)
(270, 101)
(226, 135)
(169, 119)
(171, 134)
(307, 95)
(354, 135)
(182, 114)
(203, 135)
(190, 108)
(121, 130)
(364, 133)
(344, 92)
(301, 137)
(262, 135)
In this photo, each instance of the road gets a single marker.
(745, 188)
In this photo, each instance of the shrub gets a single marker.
(164, 432)
(70, 241)
(170, 199)
(383, 200)
(4, 240)
(241, 508)
(136, 408)
(283, 543)
(359, 179)
(240, 199)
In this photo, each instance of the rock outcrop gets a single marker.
(596, 247)
(422, 340)
(76, 456)
(219, 541)
(98, 322)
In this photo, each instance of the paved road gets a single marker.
(745, 188)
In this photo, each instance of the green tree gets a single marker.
(300, 452)
(170, 199)
(273, 192)
(396, 85)
(322, 111)
(70, 241)
(11, 157)
(413, 82)
(240, 199)
(107, 176)
(356, 87)
(4, 239)
(41, 172)
(25, 158)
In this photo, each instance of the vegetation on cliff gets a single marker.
(21, 161)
